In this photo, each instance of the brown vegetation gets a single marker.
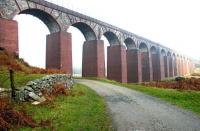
(58, 89)
(184, 84)
(18, 64)
(10, 117)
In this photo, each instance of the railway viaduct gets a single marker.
(137, 60)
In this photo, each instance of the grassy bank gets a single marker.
(20, 78)
(189, 100)
(83, 111)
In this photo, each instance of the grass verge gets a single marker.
(83, 111)
(187, 99)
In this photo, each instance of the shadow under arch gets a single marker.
(130, 44)
(48, 20)
(112, 38)
(86, 30)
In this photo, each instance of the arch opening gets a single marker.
(77, 50)
(32, 40)
(106, 44)
(47, 19)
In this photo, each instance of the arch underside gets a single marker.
(130, 44)
(143, 47)
(112, 38)
(48, 20)
(86, 30)
(153, 50)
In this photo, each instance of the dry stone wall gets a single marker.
(32, 91)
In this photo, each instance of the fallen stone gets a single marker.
(36, 103)
(36, 97)
(28, 89)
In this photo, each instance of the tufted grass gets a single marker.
(189, 100)
(86, 112)
(20, 78)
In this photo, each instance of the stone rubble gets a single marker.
(32, 91)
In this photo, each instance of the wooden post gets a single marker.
(12, 83)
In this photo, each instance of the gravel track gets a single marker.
(133, 111)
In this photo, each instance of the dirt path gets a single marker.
(134, 111)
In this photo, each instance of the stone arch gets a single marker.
(145, 61)
(143, 47)
(48, 20)
(168, 53)
(153, 50)
(112, 38)
(86, 30)
(154, 61)
(163, 53)
(170, 64)
(130, 44)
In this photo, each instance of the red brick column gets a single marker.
(178, 66)
(175, 66)
(116, 62)
(158, 66)
(170, 67)
(187, 67)
(184, 67)
(166, 65)
(134, 74)
(146, 66)
(181, 66)
(9, 35)
(162, 66)
(59, 51)
(93, 59)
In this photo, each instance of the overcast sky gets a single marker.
(173, 23)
